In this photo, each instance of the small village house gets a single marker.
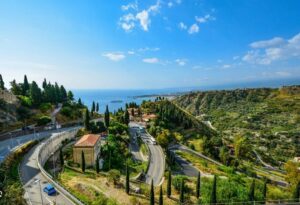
(90, 145)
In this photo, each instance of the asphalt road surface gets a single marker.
(34, 182)
(157, 159)
(6, 146)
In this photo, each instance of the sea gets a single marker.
(116, 99)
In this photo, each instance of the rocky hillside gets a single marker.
(269, 117)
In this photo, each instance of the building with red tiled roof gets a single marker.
(90, 145)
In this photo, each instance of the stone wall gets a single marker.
(8, 97)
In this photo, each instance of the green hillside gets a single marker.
(268, 118)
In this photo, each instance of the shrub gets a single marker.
(25, 101)
(66, 111)
(43, 120)
(44, 107)
(176, 181)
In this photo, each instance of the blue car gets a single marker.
(49, 189)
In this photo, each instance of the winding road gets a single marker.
(34, 182)
(157, 158)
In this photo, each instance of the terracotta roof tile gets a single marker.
(87, 141)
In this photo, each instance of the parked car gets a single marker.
(49, 189)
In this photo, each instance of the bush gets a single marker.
(25, 101)
(43, 120)
(66, 111)
(176, 181)
(44, 107)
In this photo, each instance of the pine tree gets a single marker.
(127, 186)
(198, 185)
(126, 117)
(25, 87)
(152, 200)
(1, 83)
(296, 194)
(182, 192)
(213, 197)
(97, 165)
(132, 111)
(265, 190)
(82, 162)
(169, 185)
(106, 117)
(161, 199)
(252, 191)
(61, 157)
(87, 119)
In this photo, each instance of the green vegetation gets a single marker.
(265, 117)
(34, 104)
(9, 176)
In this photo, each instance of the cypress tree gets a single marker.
(79, 102)
(61, 157)
(1, 83)
(35, 94)
(82, 162)
(182, 192)
(97, 107)
(44, 83)
(152, 200)
(252, 191)
(127, 185)
(63, 93)
(198, 185)
(25, 87)
(109, 160)
(161, 200)
(93, 108)
(169, 185)
(265, 190)
(126, 117)
(296, 194)
(70, 96)
(213, 198)
(87, 120)
(97, 165)
(106, 117)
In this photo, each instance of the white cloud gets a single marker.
(266, 52)
(127, 22)
(131, 52)
(268, 43)
(181, 62)
(182, 26)
(114, 56)
(193, 29)
(205, 18)
(148, 49)
(170, 4)
(133, 6)
(151, 60)
(143, 17)
(226, 66)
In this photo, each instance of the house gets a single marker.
(148, 117)
(90, 145)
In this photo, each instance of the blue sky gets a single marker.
(150, 44)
